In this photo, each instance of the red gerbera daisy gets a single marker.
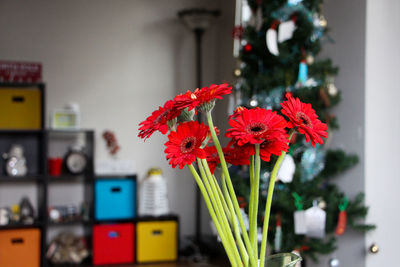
(236, 155)
(233, 155)
(272, 145)
(252, 126)
(158, 120)
(207, 95)
(303, 116)
(237, 112)
(183, 146)
(212, 157)
(187, 100)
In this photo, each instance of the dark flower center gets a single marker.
(188, 144)
(305, 120)
(256, 128)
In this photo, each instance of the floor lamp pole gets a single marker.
(199, 38)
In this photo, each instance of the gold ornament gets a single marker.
(237, 72)
(374, 248)
(322, 21)
(322, 204)
(332, 90)
(310, 59)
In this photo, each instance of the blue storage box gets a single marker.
(115, 199)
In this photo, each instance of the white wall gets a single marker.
(382, 175)
(119, 59)
(346, 21)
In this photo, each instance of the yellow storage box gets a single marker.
(157, 241)
(21, 108)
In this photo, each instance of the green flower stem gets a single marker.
(251, 200)
(271, 186)
(223, 201)
(207, 179)
(253, 259)
(236, 230)
(225, 222)
(196, 176)
(254, 196)
(210, 193)
(252, 223)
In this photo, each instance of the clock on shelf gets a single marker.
(76, 160)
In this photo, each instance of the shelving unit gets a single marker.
(46, 190)
(37, 144)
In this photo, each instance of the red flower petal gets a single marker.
(303, 116)
(183, 146)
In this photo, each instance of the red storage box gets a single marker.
(113, 243)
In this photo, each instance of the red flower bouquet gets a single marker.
(255, 135)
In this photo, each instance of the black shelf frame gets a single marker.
(44, 182)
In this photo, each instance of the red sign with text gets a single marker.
(20, 72)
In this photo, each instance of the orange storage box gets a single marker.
(20, 248)
(157, 241)
(21, 108)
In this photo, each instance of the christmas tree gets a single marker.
(277, 43)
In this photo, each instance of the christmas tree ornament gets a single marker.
(248, 48)
(374, 248)
(315, 221)
(300, 223)
(272, 39)
(253, 101)
(334, 262)
(287, 169)
(294, 2)
(237, 72)
(312, 162)
(245, 11)
(311, 83)
(342, 218)
(322, 21)
(278, 234)
(303, 73)
(310, 59)
(322, 204)
(286, 30)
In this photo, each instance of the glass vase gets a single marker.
(282, 260)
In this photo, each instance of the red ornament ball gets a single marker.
(248, 48)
